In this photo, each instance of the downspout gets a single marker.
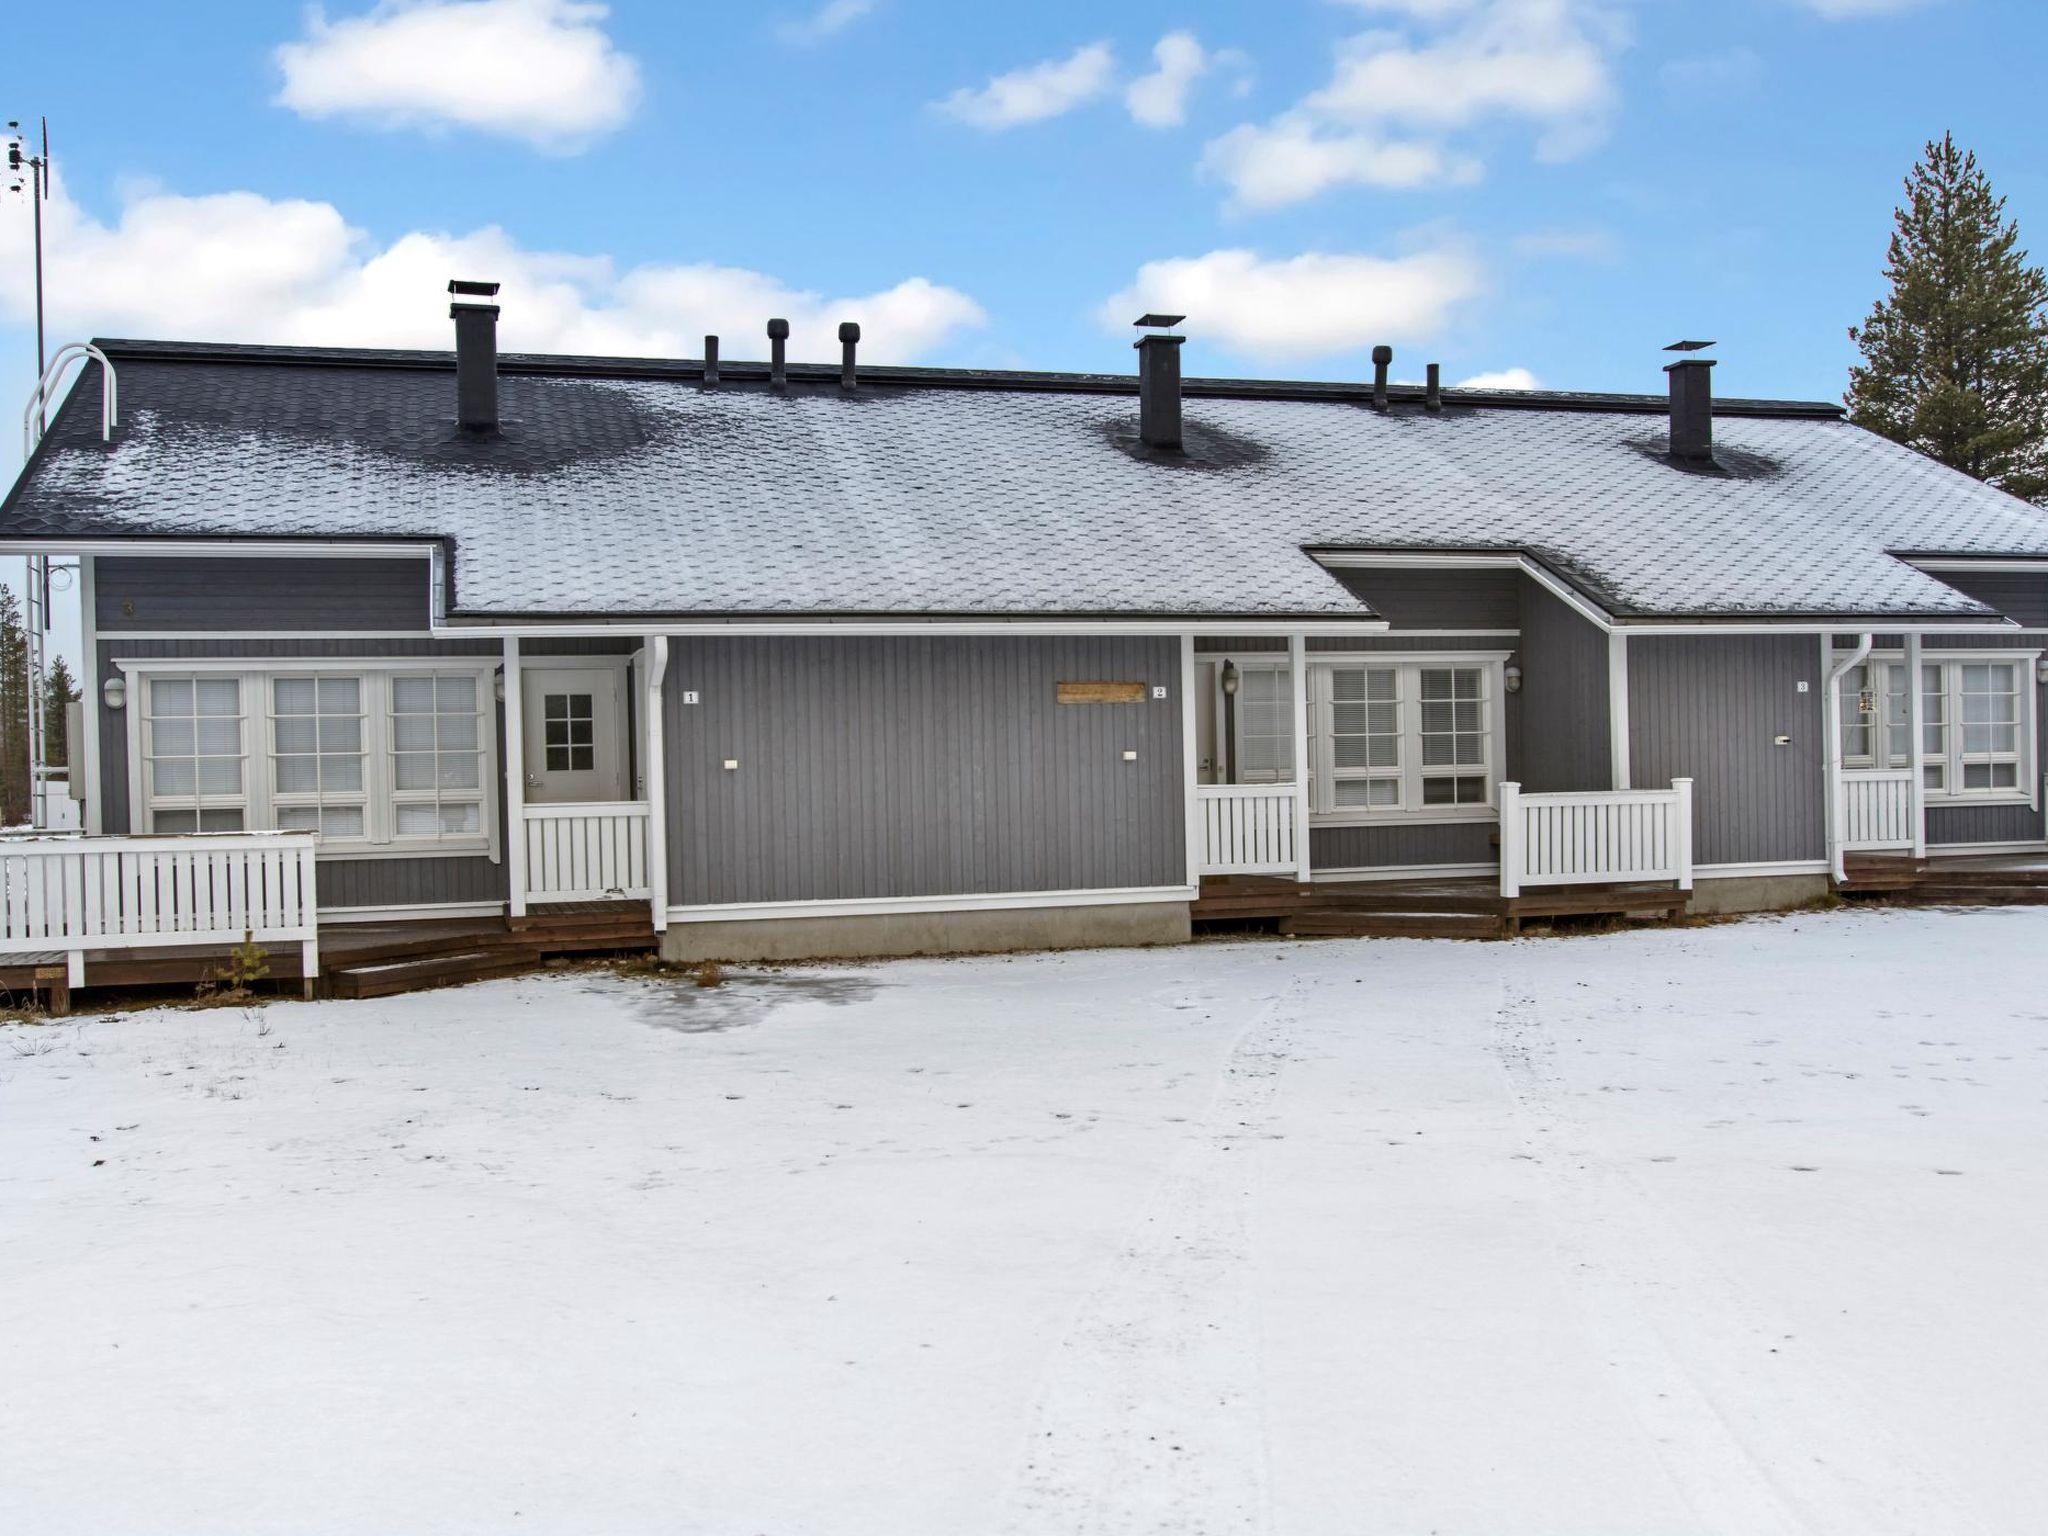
(1832, 729)
(657, 783)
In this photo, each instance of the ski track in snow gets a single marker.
(1152, 1416)
(1685, 1370)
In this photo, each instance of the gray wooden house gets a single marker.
(826, 660)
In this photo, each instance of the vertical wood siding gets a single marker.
(1565, 743)
(876, 767)
(1408, 598)
(1462, 842)
(1709, 707)
(2021, 596)
(152, 592)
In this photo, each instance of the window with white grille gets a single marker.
(374, 758)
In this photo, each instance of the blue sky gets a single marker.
(1557, 186)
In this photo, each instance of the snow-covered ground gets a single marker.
(1734, 1230)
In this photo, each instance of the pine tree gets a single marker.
(14, 781)
(59, 689)
(1955, 356)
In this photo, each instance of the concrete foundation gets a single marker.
(928, 933)
(1756, 893)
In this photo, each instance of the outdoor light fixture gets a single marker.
(1230, 679)
(1512, 677)
(115, 691)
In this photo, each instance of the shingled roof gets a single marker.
(631, 488)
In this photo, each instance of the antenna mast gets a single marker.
(31, 174)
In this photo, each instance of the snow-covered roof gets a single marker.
(623, 488)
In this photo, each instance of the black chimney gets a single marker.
(849, 338)
(476, 357)
(1433, 391)
(710, 359)
(1159, 384)
(1382, 359)
(1692, 410)
(778, 361)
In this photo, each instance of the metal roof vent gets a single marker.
(1159, 383)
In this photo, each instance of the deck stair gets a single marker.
(386, 959)
(1990, 880)
(1450, 909)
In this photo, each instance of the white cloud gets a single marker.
(237, 266)
(1396, 96)
(828, 20)
(539, 70)
(1290, 159)
(1160, 99)
(1502, 378)
(1036, 92)
(1849, 10)
(1302, 306)
(1542, 60)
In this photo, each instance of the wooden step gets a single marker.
(1392, 925)
(1355, 900)
(382, 979)
(1983, 895)
(1568, 903)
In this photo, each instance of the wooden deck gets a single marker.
(1448, 909)
(366, 959)
(1997, 879)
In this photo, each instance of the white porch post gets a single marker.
(1831, 726)
(1297, 677)
(1916, 706)
(1191, 805)
(1617, 711)
(1510, 839)
(515, 780)
(656, 776)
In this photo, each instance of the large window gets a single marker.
(377, 760)
(1977, 724)
(193, 758)
(1407, 736)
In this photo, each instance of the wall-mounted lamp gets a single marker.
(115, 691)
(2041, 669)
(1230, 679)
(1512, 677)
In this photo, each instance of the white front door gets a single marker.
(575, 743)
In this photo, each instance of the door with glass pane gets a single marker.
(574, 740)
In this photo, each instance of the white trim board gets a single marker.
(423, 913)
(1406, 872)
(1759, 871)
(114, 636)
(222, 549)
(1971, 850)
(881, 906)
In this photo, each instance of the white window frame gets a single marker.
(259, 799)
(1411, 811)
(2026, 790)
(142, 791)
(1268, 662)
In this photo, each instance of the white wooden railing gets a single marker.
(68, 894)
(1247, 829)
(588, 852)
(1875, 809)
(1592, 836)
